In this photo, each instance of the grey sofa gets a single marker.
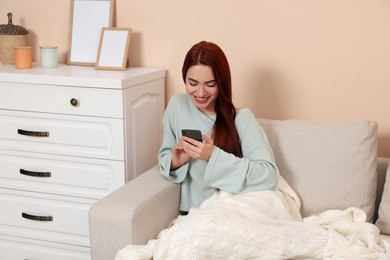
(329, 165)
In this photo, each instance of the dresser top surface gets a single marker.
(83, 76)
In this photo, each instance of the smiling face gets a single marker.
(202, 88)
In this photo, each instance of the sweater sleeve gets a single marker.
(256, 170)
(169, 140)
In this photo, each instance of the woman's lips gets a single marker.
(201, 99)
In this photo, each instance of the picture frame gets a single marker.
(87, 19)
(113, 48)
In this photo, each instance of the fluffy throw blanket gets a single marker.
(263, 225)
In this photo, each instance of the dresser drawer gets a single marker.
(61, 134)
(61, 99)
(45, 217)
(72, 176)
(13, 248)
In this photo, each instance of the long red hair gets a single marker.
(225, 131)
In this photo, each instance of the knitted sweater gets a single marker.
(199, 179)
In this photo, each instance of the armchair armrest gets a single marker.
(133, 214)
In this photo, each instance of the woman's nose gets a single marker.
(201, 91)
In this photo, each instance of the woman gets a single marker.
(235, 155)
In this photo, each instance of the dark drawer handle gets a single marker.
(35, 174)
(74, 102)
(33, 133)
(37, 218)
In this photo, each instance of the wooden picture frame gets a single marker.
(88, 17)
(113, 48)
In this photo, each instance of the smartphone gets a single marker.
(192, 133)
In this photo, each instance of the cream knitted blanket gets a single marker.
(263, 225)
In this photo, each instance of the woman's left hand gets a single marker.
(196, 149)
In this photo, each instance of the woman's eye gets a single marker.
(193, 83)
(212, 84)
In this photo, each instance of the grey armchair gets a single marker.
(311, 156)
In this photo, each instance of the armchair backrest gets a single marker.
(329, 165)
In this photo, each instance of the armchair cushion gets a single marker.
(329, 165)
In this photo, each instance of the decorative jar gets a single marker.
(11, 36)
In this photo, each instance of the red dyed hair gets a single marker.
(225, 131)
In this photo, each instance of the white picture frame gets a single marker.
(87, 19)
(113, 48)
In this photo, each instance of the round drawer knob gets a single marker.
(74, 102)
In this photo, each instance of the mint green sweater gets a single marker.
(199, 179)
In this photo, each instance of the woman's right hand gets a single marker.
(179, 157)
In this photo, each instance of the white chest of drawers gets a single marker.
(68, 137)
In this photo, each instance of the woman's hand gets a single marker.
(198, 150)
(179, 156)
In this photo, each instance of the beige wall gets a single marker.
(323, 60)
